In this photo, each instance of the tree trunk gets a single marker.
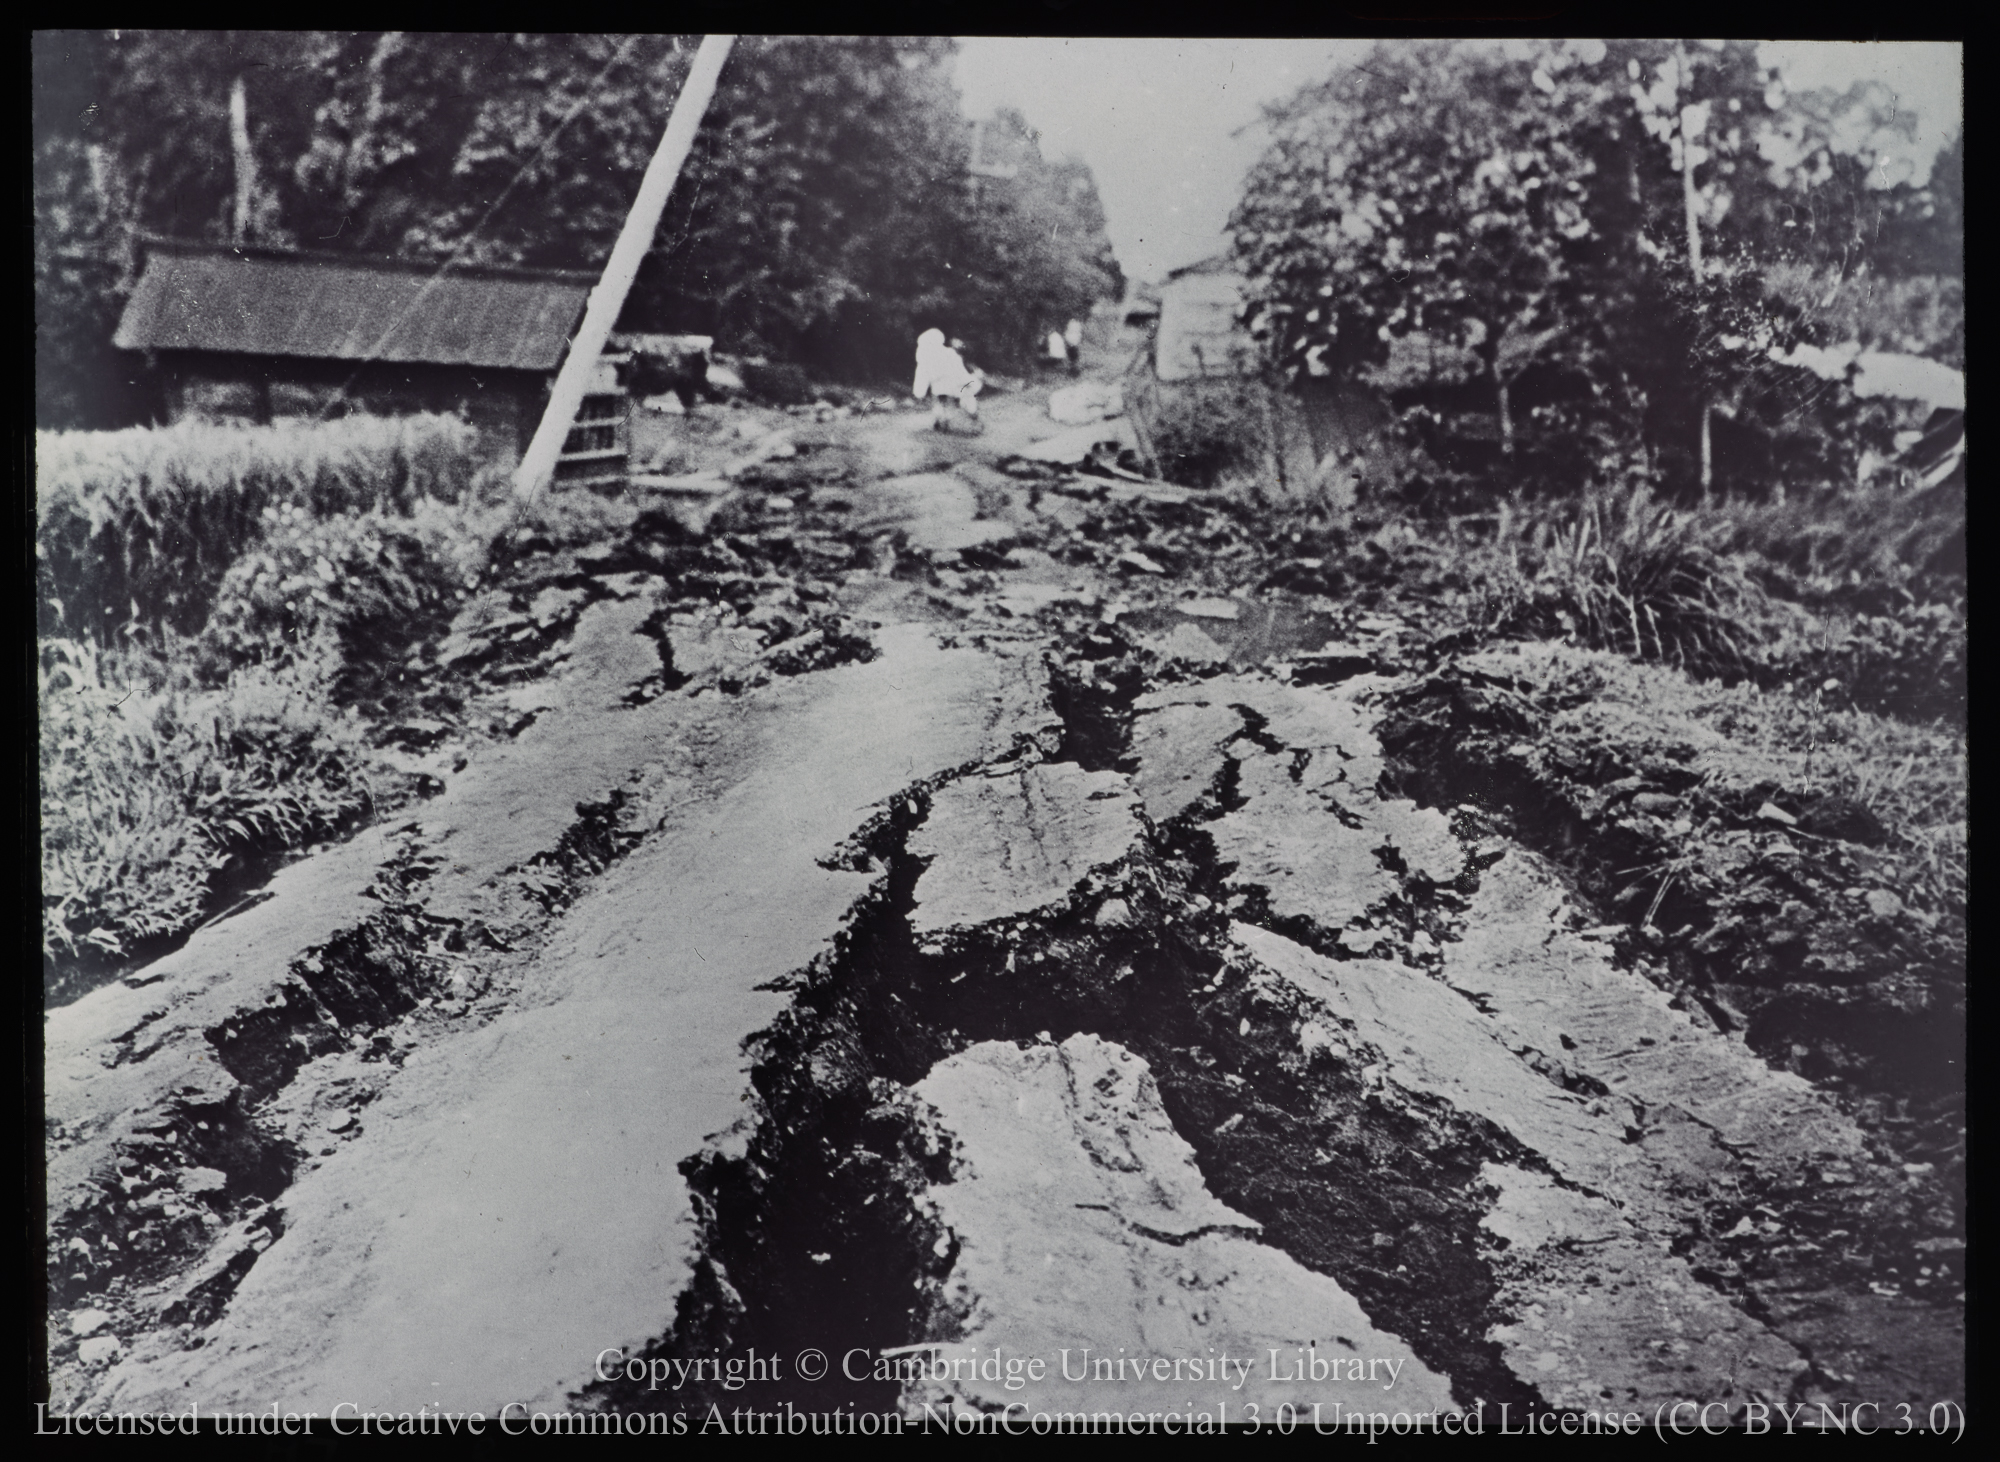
(246, 163)
(1691, 200)
(1506, 422)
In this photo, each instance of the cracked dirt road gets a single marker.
(1012, 981)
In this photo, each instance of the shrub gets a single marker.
(1624, 572)
(374, 578)
(1209, 430)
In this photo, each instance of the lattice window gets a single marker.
(596, 448)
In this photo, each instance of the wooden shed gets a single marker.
(262, 334)
(1317, 436)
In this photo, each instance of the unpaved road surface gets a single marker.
(902, 958)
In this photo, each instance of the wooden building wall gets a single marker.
(505, 404)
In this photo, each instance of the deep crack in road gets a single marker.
(991, 977)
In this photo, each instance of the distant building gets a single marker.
(1320, 436)
(1200, 333)
(261, 334)
(1141, 305)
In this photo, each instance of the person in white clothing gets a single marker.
(942, 376)
(1073, 346)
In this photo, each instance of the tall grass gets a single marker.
(142, 525)
(1851, 595)
(150, 783)
(1620, 571)
(209, 595)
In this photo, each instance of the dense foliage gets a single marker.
(152, 781)
(824, 216)
(1520, 212)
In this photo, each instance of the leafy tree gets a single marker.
(823, 212)
(1432, 191)
(1034, 250)
(827, 204)
(1540, 209)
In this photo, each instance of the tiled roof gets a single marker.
(262, 302)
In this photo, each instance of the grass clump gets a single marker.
(1859, 590)
(1622, 571)
(152, 783)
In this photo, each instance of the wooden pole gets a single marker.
(608, 298)
(1691, 200)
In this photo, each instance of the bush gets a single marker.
(375, 579)
(1846, 588)
(1624, 572)
(1209, 430)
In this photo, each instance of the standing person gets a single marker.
(942, 376)
(1073, 339)
(1057, 349)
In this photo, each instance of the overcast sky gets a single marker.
(1169, 127)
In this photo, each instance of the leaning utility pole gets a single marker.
(608, 298)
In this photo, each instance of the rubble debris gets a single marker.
(1584, 1283)
(1187, 642)
(1330, 664)
(1178, 744)
(1068, 449)
(99, 1350)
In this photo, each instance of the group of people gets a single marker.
(944, 377)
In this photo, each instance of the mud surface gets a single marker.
(909, 903)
